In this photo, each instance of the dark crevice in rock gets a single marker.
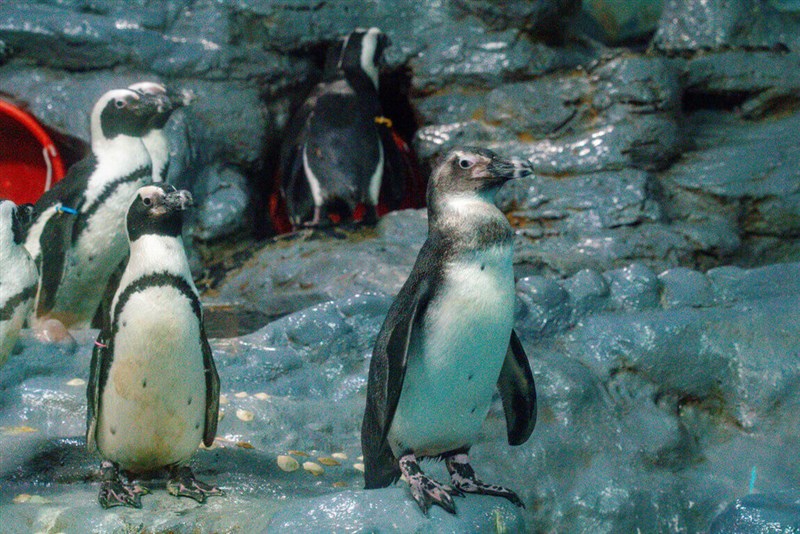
(693, 100)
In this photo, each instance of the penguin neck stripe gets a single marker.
(108, 190)
(159, 279)
(8, 309)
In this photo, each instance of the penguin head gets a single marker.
(157, 210)
(168, 101)
(14, 221)
(474, 171)
(124, 112)
(362, 52)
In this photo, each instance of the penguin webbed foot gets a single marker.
(463, 478)
(114, 492)
(183, 484)
(425, 490)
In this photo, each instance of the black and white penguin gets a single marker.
(333, 158)
(78, 233)
(18, 275)
(153, 392)
(448, 342)
(156, 140)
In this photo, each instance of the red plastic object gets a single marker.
(29, 161)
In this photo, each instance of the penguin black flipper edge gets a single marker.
(55, 241)
(387, 373)
(100, 356)
(212, 391)
(518, 392)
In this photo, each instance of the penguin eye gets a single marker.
(465, 163)
(147, 201)
(119, 103)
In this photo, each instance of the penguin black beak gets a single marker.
(147, 105)
(178, 200)
(181, 98)
(510, 169)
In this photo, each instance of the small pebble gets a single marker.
(340, 484)
(287, 463)
(77, 382)
(313, 468)
(261, 396)
(244, 415)
(223, 399)
(244, 445)
(16, 430)
(326, 460)
(360, 458)
(339, 455)
(33, 499)
(359, 467)
(241, 395)
(298, 453)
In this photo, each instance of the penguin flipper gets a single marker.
(212, 391)
(55, 241)
(386, 376)
(100, 355)
(518, 392)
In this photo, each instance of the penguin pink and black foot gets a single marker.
(425, 490)
(448, 342)
(463, 478)
(114, 492)
(183, 484)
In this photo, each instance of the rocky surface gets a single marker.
(716, 87)
(662, 397)
(656, 252)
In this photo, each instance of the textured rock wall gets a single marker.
(680, 152)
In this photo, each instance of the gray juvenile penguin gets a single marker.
(448, 343)
(18, 274)
(153, 392)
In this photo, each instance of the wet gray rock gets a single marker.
(698, 25)
(615, 22)
(651, 417)
(760, 513)
(298, 270)
(540, 18)
(221, 210)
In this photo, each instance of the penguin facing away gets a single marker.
(18, 275)
(334, 159)
(448, 341)
(153, 392)
(78, 233)
(156, 140)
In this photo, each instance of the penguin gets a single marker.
(18, 277)
(78, 233)
(334, 156)
(448, 342)
(156, 139)
(153, 391)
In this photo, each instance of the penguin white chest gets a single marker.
(153, 405)
(455, 362)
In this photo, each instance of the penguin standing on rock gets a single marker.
(18, 275)
(153, 392)
(78, 233)
(448, 341)
(334, 160)
(156, 139)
